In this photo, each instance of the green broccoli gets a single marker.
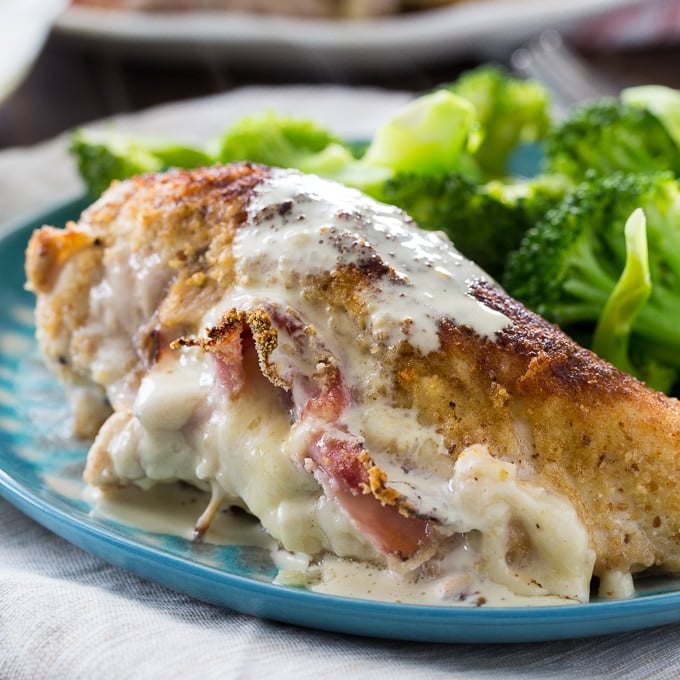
(432, 134)
(510, 111)
(277, 140)
(435, 133)
(485, 220)
(470, 128)
(105, 156)
(569, 264)
(663, 102)
(608, 136)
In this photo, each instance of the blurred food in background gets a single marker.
(341, 9)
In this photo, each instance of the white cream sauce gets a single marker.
(461, 585)
(172, 509)
(459, 578)
(479, 506)
(306, 225)
(184, 427)
(487, 497)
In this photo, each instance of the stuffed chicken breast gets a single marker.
(306, 353)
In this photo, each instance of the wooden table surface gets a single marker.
(73, 83)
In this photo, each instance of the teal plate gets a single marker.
(40, 468)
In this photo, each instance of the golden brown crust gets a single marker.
(554, 360)
(185, 219)
(48, 251)
(597, 435)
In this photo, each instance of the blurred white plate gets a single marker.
(24, 25)
(481, 27)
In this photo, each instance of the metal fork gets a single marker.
(549, 60)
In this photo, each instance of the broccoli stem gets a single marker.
(611, 339)
(660, 325)
(588, 287)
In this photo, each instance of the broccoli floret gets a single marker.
(431, 134)
(437, 132)
(608, 136)
(663, 102)
(568, 265)
(484, 220)
(281, 141)
(105, 156)
(510, 112)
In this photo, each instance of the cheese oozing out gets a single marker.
(250, 447)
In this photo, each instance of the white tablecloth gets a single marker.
(65, 614)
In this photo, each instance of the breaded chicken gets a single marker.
(310, 355)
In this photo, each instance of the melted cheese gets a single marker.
(240, 449)
(556, 557)
(248, 448)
